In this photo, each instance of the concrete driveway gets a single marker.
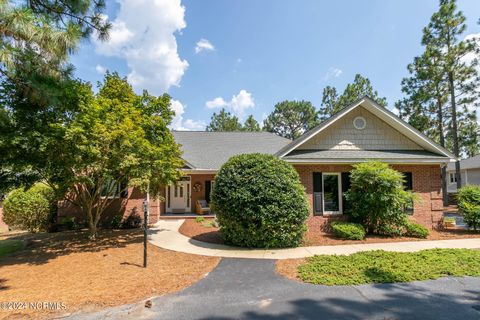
(250, 289)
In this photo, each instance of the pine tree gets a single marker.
(224, 121)
(251, 124)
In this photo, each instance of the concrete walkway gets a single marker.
(165, 235)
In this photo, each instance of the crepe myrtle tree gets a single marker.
(118, 139)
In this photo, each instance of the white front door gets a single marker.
(178, 196)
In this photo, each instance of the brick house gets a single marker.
(323, 158)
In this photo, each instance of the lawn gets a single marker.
(66, 267)
(8, 246)
(384, 267)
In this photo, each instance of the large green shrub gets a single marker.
(259, 202)
(469, 205)
(415, 230)
(348, 230)
(30, 209)
(378, 199)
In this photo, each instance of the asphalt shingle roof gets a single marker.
(210, 150)
(361, 154)
(469, 163)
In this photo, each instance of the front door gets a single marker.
(178, 196)
(331, 193)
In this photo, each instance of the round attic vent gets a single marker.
(359, 123)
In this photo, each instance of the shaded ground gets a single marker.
(66, 267)
(199, 231)
(250, 289)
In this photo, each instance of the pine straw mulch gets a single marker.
(203, 232)
(66, 267)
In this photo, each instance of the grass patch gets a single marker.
(8, 246)
(386, 267)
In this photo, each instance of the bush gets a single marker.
(70, 223)
(199, 219)
(133, 221)
(416, 230)
(116, 222)
(30, 209)
(377, 198)
(259, 202)
(469, 205)
(348, 230)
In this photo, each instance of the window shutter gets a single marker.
(208, 188)
(408, 185)
(345, 187)
(317, 194)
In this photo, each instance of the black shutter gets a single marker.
(408, 185)
(208, 188)
(345, 187)
(124, 189)
(317, 194)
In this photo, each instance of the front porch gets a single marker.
(184, 215)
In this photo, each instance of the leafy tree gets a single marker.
(224, 121)
(291, 119)
(442, 38)
(251, 124)
(118, 139)
(361, 86)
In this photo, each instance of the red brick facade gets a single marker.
(426, 183)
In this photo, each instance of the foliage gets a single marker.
(259, 202)
(70, 223)
(116, 222)
(224, 121)
(348, 230)
(251, 124)
(133, 221)
(29, 209)
(119, 139)
(361, 86)
(8, 246)
(415, 230)
(469, 205)
(291, 119)
(377, 198)
(199, 219)
(387, 267)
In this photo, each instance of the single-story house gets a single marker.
(469, 171)
(322, 156)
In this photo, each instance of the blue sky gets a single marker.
(248, 55)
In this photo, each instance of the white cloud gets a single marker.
(332, 73)
(143, 33)
(238, 104)
(204, 44)
(100, 69)
(178, 123)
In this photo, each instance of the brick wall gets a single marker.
(426, 183)
(3, 225)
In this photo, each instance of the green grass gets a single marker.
(386, 267)
(8, 246)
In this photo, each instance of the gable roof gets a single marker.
(203, 150)
(390, 118)
(469, 163)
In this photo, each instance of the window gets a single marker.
(408, 185)
(359, 123)
(113, 189)
(453, 177)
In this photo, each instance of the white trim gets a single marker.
(343, 161)
(200, 171)
(371, 105)
(364, 123)
(340, 202)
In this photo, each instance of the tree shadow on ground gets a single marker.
(40, 248)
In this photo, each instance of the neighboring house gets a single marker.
(469, 171)
(323, 158)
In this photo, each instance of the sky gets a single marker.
(248, 55)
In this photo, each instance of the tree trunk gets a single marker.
(456, 150)
(92, 225)
(442, 143)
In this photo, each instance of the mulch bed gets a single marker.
(66, 267)
(199, 231)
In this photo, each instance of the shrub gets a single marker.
(469, 205)
(30, 209)
(348, 230)
(377, 198)
(70, 223)
(199, 219)
(259, 202)
(416, 230)
(133, 221)
(116, 222)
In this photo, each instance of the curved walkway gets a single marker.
(165, 235)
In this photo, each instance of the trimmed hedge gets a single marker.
(469, 205)
(30, 209)
(348, 230)
(259, 202)
(416, 230)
